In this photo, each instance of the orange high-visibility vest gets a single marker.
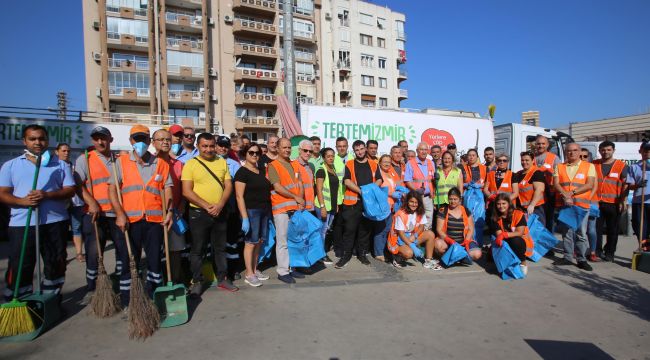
(391, 181)
(468, 174)
(526, 189)
(465, 221)
(516, 217)
(583, 200)
(610, 186)
(506, 183)
(421, 180)
(279, 203)
(392, 235)
(97, 182)
(350, 197)
(547, 169)
(307, 184)
(140, 200)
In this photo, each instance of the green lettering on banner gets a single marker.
(67, 132)
(339, 130)
(3, 137)
(365, 132)
(388, 133)
(401, 132)
(17, 132)
(53, 133)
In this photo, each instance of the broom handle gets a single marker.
(100, 253)
(166, 236)
(38, 252)
(642, 203)
(23, 248)
(119, 198)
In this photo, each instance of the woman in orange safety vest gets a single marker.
(509, 225)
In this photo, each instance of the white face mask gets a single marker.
(45, 157)
(140, 148)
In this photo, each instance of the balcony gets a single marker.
(400, 35)
(263, 6)
(403, 93)
(185, 96)
(256, 74)
(242, 98)
(402, 74)
(128, 65)
(125, 12)
(187, 4)
(185, 45)
(184, 72)
(193, 121)
(256, 50)
(259, 121)
(401, 56)
(344, 66)
(183, 22)
(254, 27)
(127, 41)
(301, 36)
(128, 94)
(299, 11)
(306, 78)
(304, 56)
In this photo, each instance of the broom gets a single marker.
(14, 315)
(144, 318)
(104, 303)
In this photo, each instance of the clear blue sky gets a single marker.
(571, 60)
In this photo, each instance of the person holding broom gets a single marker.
(55, 186)
(637, 180)
(142, 178)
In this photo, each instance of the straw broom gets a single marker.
(14, 315)
(144, 318)
(104, 303)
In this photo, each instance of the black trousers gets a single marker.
(518, 246)
(53, 241)
(607, 224)
(206, 228)
(356, 230)
(145, 236)
(106, 228)
(336, 234)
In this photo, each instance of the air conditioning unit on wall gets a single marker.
(97, 56)
(228, 19)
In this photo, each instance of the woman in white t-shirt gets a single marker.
(408, 233)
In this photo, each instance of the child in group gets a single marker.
(455, 224)
(509, 225)
(408, 233)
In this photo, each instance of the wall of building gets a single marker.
(623, 129)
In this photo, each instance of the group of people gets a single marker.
(218, 195)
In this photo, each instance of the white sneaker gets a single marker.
(432, 264)
(397, 264)
(252, 280)
(261, 275)
(524, 269)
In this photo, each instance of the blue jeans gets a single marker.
(76, 218)
(576, 240)
(327, 222)
(592, 234)
(381, 235)
(259, 220)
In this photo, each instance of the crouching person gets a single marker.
(509, 225)
(408, 233)
(455, 224)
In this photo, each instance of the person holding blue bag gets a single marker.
(392, 181)
(455, 224)
(573, 181)
(409, 232)
(594, 214)
(509, 225)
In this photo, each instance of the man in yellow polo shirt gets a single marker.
(207, 186)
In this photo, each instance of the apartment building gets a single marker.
(218, 65)
(364, 52)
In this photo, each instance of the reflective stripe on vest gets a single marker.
(527, 189)
(421, 180)
(99, 176)
(339, 165)
(350, 197)
(610, 186)
(307, 183)
(516, 217)
(142, 200)
(583, 200)
(393, 236)
(391, 181)
(506, 183)
(327, 196)
(279, 203)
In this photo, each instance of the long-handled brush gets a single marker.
(144, 318)
(104, 303)
(14, 315)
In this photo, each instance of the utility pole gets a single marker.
(289, 59)
(62, 104)
(156, 13)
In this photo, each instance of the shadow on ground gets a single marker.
(551, 349)
(632, 297)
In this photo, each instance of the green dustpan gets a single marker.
(172, 304)
(44, 308)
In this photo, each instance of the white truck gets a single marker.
(512, 139)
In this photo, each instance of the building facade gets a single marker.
(218, 65)
(620, 129)
(530, 118)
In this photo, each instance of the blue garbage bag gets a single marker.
(454, 254)
(594, 211)
(375, 202)
(572, 216)
(267, 247)
(507, 262)
(304, 239)
(179, 225)
(543, 239)
(474, 202)
(402, 191)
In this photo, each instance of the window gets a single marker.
(383, 83)
(266, 67)
(118, 80)
(247, 65)
(367, 80)
(366, 40)
(305, 7)
(366, 19)
(400, 45)
(344, 35)
(117, 27)
(399, 29)
(381, 42)
(302, 28)
(367, 103)
(381, 23)
(382, 63)
(367, 61)
(114, 5)
(180, 58)
(304, 69)
(183, 113)
(383, 102)
(343, 17)
(344, 59)
(184, 86)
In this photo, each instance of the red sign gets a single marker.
(438, 137)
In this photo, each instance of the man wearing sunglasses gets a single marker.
(189, 151)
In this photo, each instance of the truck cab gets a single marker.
(513, 139)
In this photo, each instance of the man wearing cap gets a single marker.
(189, 151)
(142, 178)
(207, 186)
(94, 171)
(453, 149)
(177, 140)
(54, 188)
(638, 182)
